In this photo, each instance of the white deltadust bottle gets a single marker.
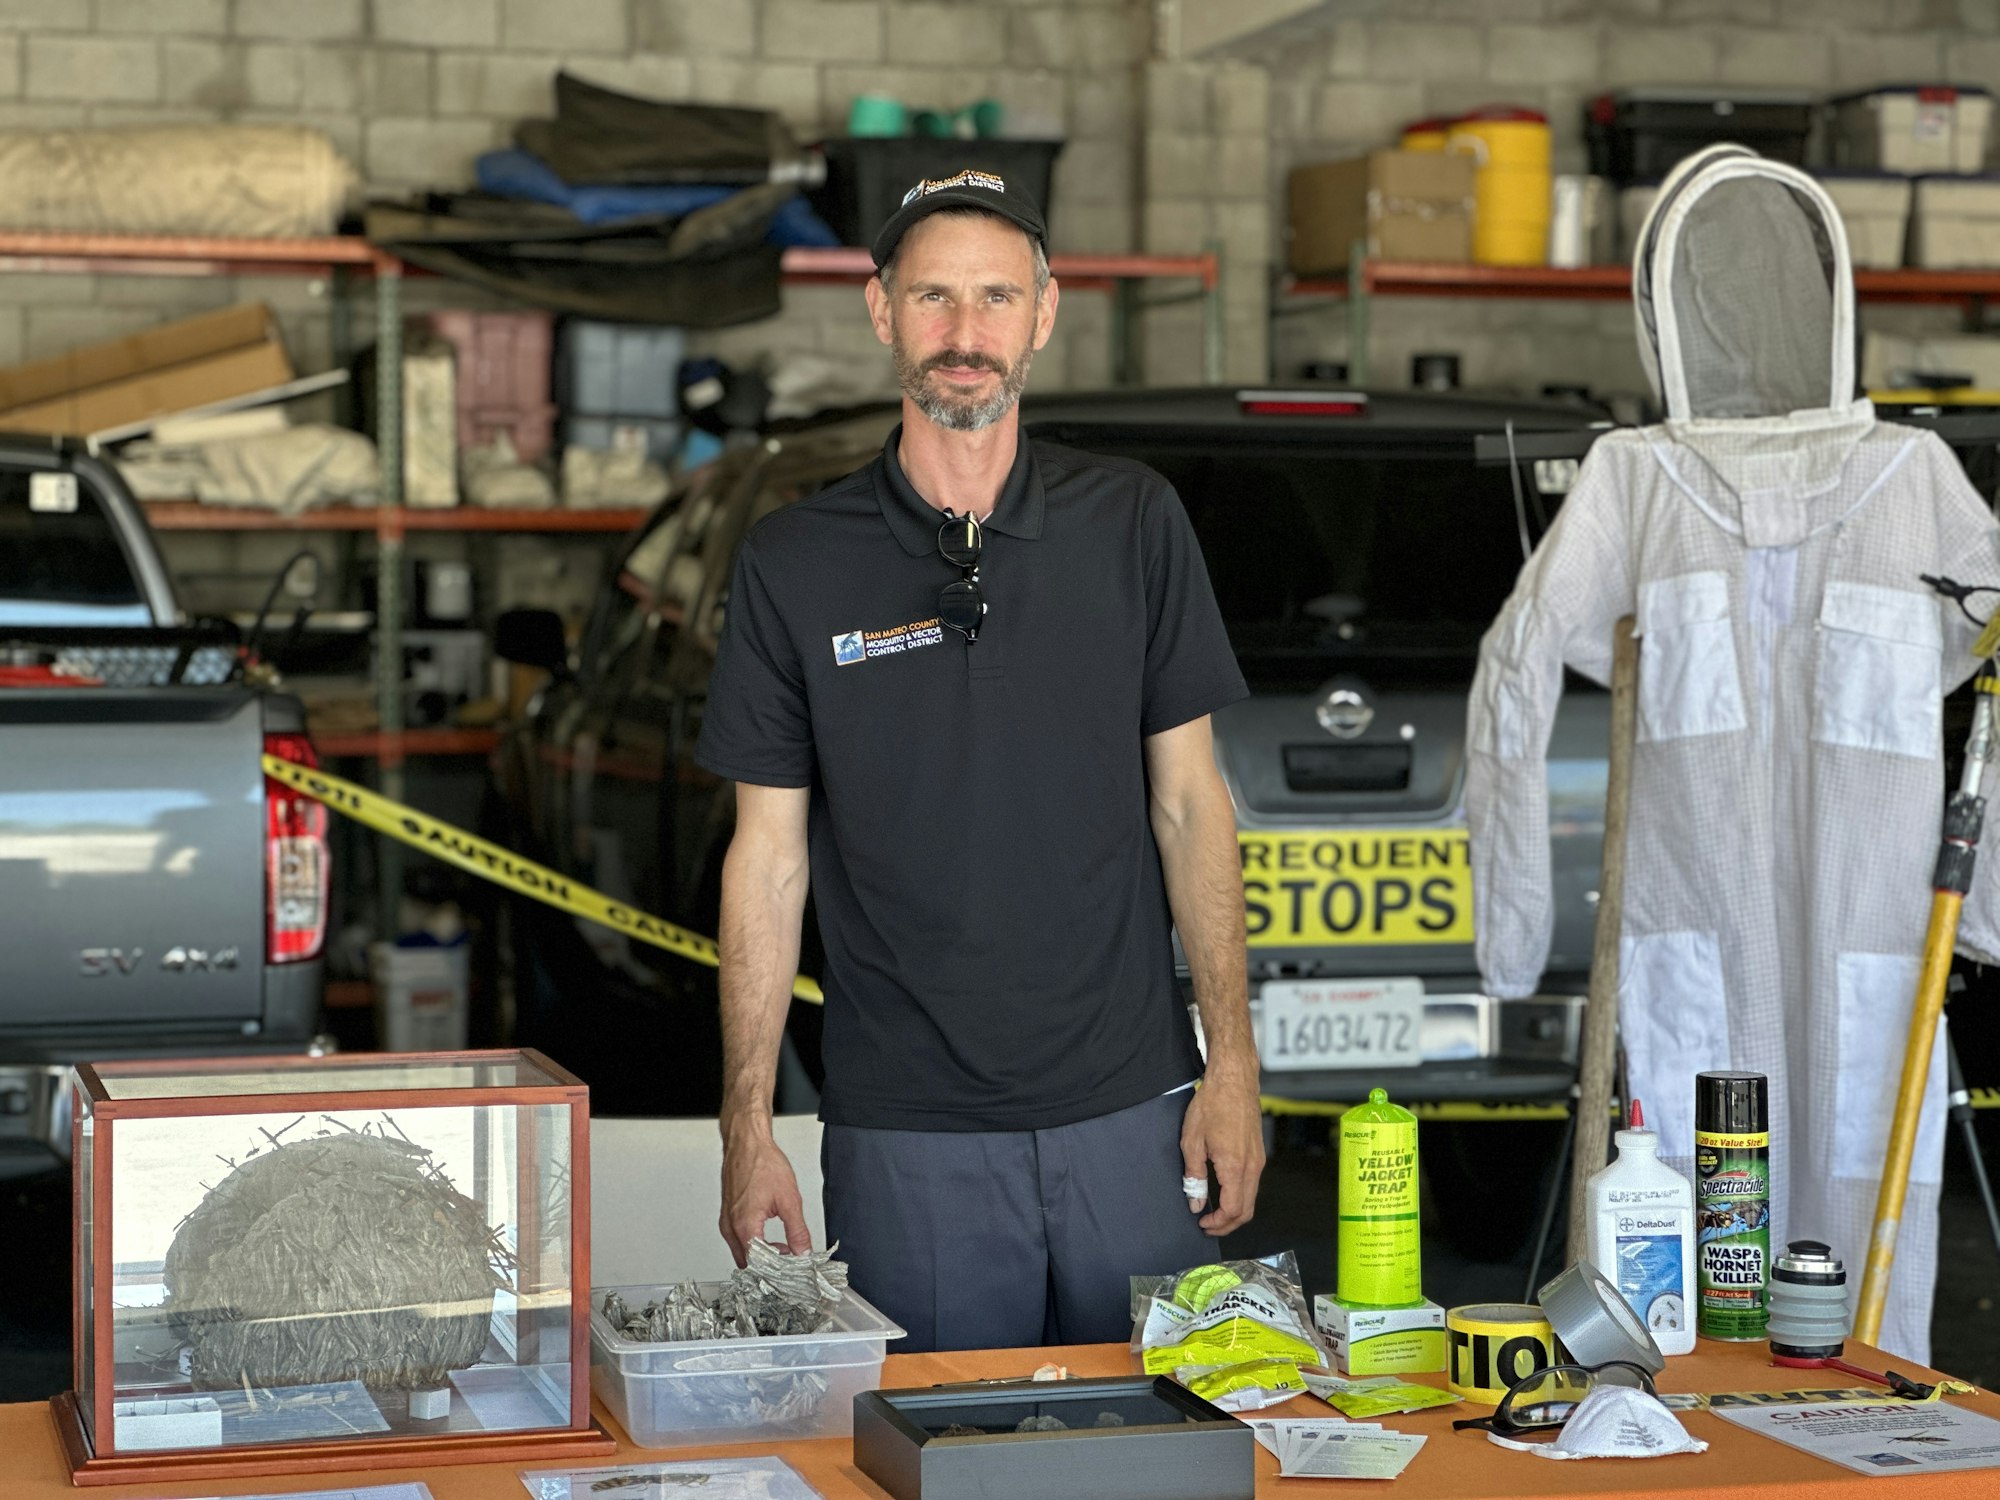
(1642, 1235)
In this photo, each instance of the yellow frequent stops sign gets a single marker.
(1377, 887)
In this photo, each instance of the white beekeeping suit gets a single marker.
(1788, 779)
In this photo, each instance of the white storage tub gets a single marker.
(1912, 130)
(673, 1395)
(1875, 208)
(1955, 224)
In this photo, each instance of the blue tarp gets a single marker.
(522, 174)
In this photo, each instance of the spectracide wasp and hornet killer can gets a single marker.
(1381, 1257)
(1732, 1200)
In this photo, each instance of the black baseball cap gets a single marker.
(971, 188)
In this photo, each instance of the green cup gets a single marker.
(877, 115)
(931, 122)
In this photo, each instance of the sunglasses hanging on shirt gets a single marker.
(962, 605)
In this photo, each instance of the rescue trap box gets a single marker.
(293, 1264)
(1128, 1437)
(1401, 205)
(1381, 1340)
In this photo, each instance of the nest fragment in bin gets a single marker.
(773, 1295)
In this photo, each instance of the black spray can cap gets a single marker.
(1732, 1103)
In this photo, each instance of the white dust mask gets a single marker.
(1614, 1421)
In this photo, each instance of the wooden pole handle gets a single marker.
(1597, 1050)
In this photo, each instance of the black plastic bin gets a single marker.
(1636, 135)
(866, 177)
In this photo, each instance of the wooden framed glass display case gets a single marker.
(347, 1262)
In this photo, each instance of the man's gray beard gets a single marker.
(952, 413)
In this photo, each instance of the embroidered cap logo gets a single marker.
(967, 178)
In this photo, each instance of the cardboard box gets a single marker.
(1382, 1340)
(172, 368)
(1404, 205)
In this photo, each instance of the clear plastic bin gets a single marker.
(737, 1390)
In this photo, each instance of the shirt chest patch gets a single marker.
(855, 646)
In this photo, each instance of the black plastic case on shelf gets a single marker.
(1165, 1444)
(1636, 135)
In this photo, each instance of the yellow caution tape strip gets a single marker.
(490, 862)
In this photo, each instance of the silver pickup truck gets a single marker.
(158, 896)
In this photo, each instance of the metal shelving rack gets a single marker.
(1368, 279)
(344, 257)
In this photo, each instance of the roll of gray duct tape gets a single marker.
(1593, 1323)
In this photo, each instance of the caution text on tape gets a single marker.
(504, 868)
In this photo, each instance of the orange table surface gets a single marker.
(1452, 1465)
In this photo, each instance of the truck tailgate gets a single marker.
(131, 856)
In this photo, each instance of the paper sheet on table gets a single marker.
(693, 1479)
(1343, 1450)
(1880, 1437)
(1269, 1430)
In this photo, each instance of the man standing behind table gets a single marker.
(965, 694)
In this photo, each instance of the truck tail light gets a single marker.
(297, 873)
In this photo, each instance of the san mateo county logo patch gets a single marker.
(866, 645)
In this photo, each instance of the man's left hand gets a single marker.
(1225, 1126)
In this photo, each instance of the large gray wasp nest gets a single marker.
(343, 1256)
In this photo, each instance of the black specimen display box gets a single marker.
(1132, 1437)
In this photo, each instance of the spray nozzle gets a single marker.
(1638, 1118)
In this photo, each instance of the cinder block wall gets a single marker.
(1377, 65)
(1163, 155)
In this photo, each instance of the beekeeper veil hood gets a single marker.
(1744, 298)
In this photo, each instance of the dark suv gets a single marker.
(1357, 553)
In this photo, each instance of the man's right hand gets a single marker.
(757, 1186)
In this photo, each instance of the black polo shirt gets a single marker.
(998, 943)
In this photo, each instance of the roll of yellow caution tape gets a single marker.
(1494, 1344)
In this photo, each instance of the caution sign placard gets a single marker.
(1374, 887)
(501, 866)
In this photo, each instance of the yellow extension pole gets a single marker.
(1938, 944)
(1958, 852)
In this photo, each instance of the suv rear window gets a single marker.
(1344, 558)
(62, 566)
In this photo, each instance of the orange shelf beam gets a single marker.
(376, 746)
(1611, 283)
(349, 994)
(189, 515)
(846, 265)
(187, 255)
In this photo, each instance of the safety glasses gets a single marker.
(1544, 1399)
(962, 605)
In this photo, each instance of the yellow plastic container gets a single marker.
(1426, 135)
(1502, 137)
(1514, 189)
